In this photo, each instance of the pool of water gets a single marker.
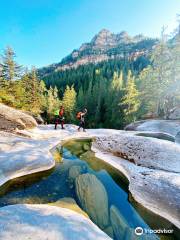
(52, 185)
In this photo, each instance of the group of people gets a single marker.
(60, 119)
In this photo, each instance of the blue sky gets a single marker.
(44, 31)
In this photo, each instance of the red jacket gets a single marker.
(61, 112)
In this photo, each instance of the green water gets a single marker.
(52, 185)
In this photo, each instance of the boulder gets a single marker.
(10, 119)
(122, 230)
(86, 146)
(166, 126)
(38, 117)
(175, 114)
(75, 171)
(119, 223)
(75, 146)
(177, 137)
(69, 203)
(42, 222)
(93, 198)
(109, 231)
(143, 151)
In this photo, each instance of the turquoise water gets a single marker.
(52, 185)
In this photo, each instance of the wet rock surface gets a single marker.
(69, 203)
(93, 198)
(122, 229)
(75, 171)
(119, 223)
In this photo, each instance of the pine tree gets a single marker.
(52, 103)
(42, 96)
(130, 101)
(114, 114)
(173, 89)
(80, 99)
(161, 70)
(69, 102)
(35, 92)
(10, 70)
(19, 94)
(117, 81)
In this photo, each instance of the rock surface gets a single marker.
(121, 228)
(119, 223)
(166, 126)
(175, 114)
(147, 152)
(10, 119)
(157, 190)
(21, 156)
(69, 203)
(75, 171)
(93, 198)
(163, 136)
(43, 222)
(177, 137)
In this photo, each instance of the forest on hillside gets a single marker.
(115, 92)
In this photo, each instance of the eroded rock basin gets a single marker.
(100, 190)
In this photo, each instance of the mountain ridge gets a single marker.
(104, 46)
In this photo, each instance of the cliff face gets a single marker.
(104, 46)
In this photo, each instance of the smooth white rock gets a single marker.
(44, 222)
(147, 152)
(167, 126)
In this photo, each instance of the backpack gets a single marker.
(56, 112)
(78, 115)
(61, 113)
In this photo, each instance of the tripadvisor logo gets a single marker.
(138, 231)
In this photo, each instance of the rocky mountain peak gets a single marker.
(104, 46)
(123, 37)
(102, 39)
(106, 39)
(104, 32)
